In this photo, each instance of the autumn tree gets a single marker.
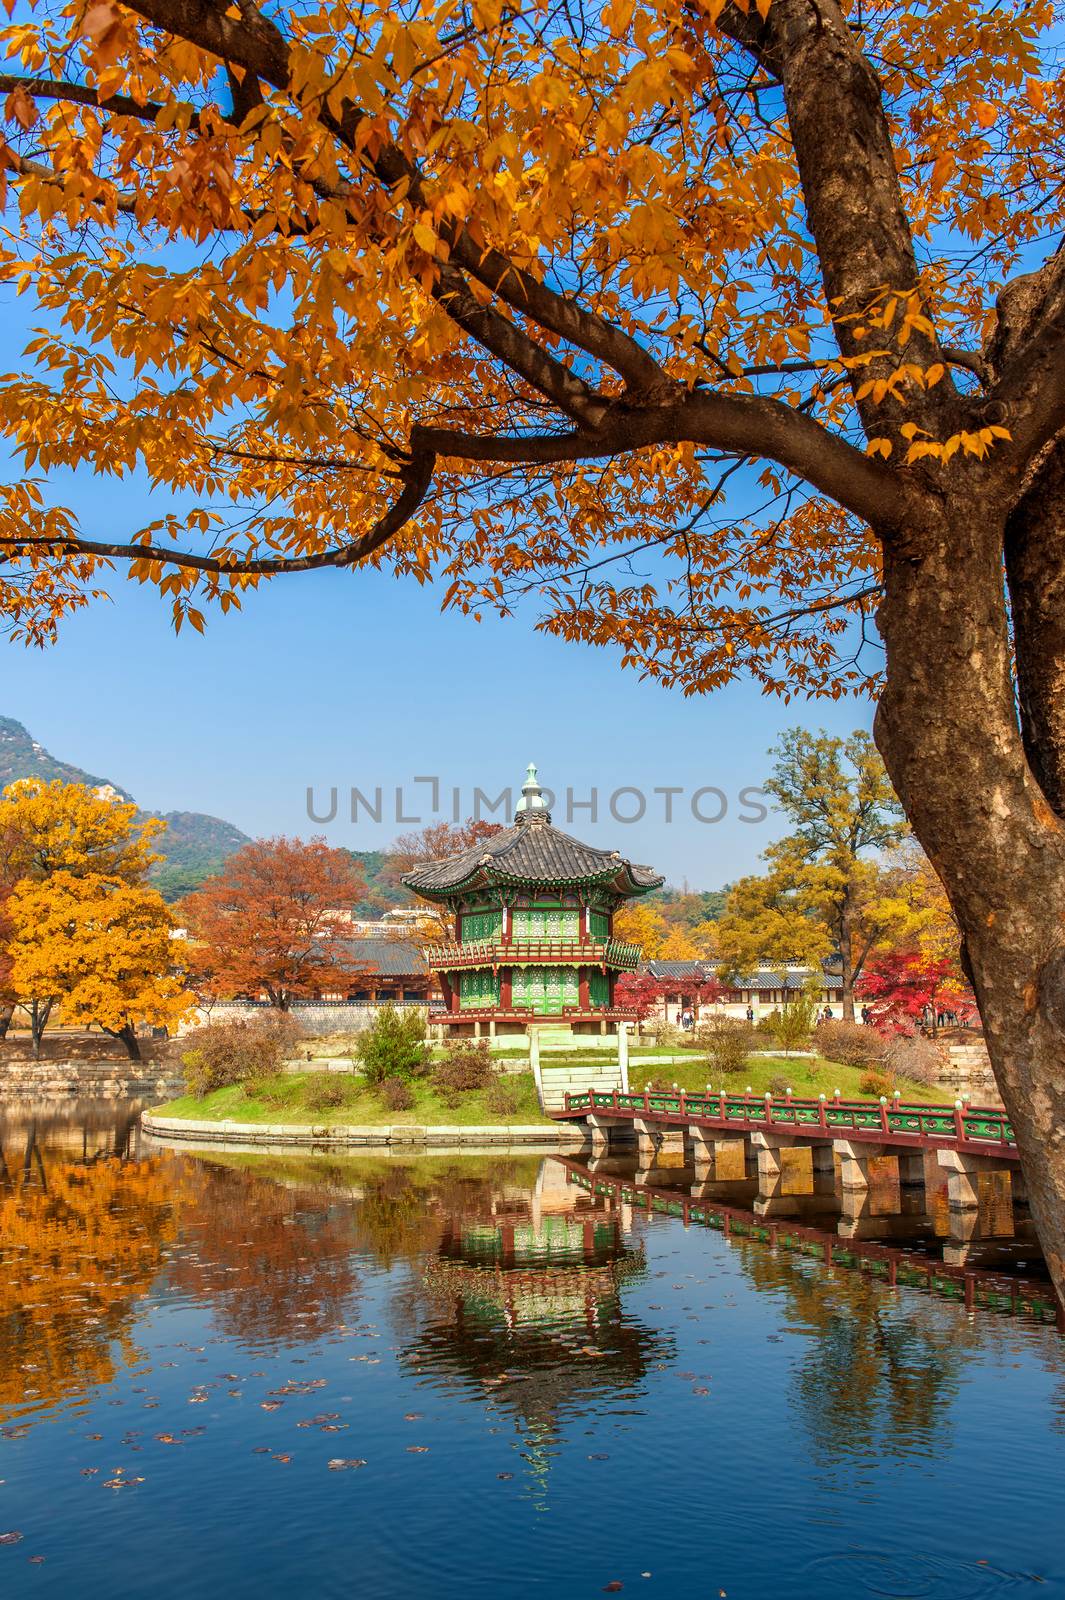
(906, 989)
(100, 949)
(63, 833)
(513, 297)
(636, 922)
(432, 843)
(916, 971)
(275, 921)
(70, 828)
(638, 992)
(823, 893)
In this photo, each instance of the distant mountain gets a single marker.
(194, 846)
(22, 757)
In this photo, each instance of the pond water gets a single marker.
(248, 1375)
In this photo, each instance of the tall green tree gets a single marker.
(824, 892)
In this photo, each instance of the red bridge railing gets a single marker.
(889, 1121)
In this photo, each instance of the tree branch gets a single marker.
(256, 44)
(417, 477)
(745, 424)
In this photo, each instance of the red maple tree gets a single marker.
(273, 922)
(904, 988)
(639, 992)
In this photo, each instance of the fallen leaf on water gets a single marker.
(412, 1416)
(417, 1449)
(10, 1538)
(121, 1483)
(506, 1476)
(36, 1560)
(283, 1458)
(339, 1464)
(261, 1450)
(270, 1405)
(167, 1438)
(599, 1455)
(613, 1586)
(89, 1472)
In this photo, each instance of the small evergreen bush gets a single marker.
(393, 1046)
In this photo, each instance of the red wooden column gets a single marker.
(584, 1001)
(445, 985)
(506, 988)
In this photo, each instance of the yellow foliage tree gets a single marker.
(640, 924)
(68, 827)
(100, 948)
(678, 945)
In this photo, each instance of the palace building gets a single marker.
(533, 915)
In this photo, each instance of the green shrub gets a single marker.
(396, 1094)
(466, 1065)
(325, 1092)
(224, 1053)
(393, 1046)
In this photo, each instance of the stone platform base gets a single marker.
(412, 1139)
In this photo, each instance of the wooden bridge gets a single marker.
(894, 1124)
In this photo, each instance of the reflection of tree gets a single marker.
(878, 1374)
(80, 1241)
(272, 1268)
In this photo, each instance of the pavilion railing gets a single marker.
(534, 952)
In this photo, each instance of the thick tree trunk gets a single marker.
(846, 951)
(948, 729)
(1036, 574)
(40, 1011)
(128, 1036)
(6, 1014)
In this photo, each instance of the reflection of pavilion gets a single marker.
(525, 1299)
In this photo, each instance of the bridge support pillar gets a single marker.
(869, 1190)
(980, 1195)
(600, 1128)
(660, 1151)
(722, 1160)
(789, 1185)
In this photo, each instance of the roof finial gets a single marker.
(532, 802)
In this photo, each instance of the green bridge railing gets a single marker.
(961, 1123)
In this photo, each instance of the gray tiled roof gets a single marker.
(387, 958)
(531, 851)
(760, 978)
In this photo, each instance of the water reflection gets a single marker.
(488, 1339)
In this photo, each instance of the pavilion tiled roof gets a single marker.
(532, 851)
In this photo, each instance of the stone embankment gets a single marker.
(151, 1081)
(409, 1138)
